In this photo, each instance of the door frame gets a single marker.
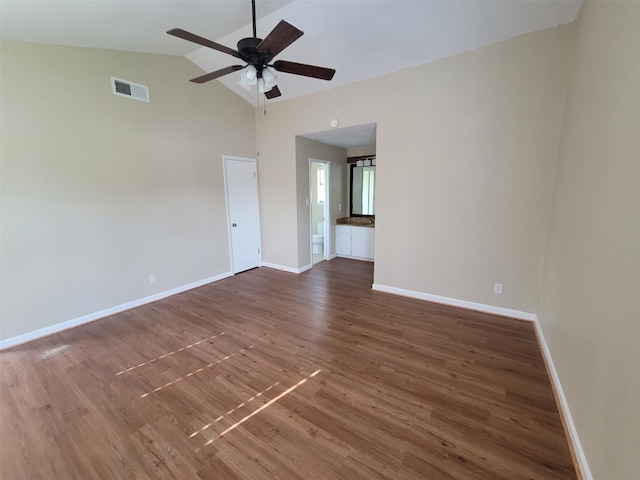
(254, 161)
(327, 211)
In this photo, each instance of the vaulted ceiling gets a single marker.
(359, 38)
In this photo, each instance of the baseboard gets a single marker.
(579, 457)
(454, 302)
(356, 258)
(59, 327)
(285, 268)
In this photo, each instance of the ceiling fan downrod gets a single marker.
(253, 16)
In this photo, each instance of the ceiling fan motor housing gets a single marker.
(248, 49)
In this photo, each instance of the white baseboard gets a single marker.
(285, 268)
(481, 307)
(356, 258)
(291, 269)
(564, 405)
(59, 327)
(305, 268)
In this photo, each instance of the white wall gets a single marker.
(99, 191)
(590, 301)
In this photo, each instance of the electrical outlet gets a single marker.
(339, 207)
(497, 288)
(152, 278)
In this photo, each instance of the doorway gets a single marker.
(243, 212)
(319, 208)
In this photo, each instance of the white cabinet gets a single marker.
(362, 242)
(343, 240)
(355, 242)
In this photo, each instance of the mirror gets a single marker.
(363, 188)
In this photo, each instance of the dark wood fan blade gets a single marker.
(192, 37)
(273, 93)
(280, 38)
(304, 70)
(216, 74)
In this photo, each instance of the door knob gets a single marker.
(234, 224)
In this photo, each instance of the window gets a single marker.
(368, 188)
(320, 180)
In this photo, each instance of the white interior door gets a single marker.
(241, 185)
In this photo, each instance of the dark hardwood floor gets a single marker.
(272, 375)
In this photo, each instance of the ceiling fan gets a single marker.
(257, 55)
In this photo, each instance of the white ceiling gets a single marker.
(359, 38)
(346, 137)
(132, 25)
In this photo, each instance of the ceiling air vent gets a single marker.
(125, 88)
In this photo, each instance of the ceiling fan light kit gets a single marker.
(257, 55)
(248, 77)
(251, 73)
(265, 81)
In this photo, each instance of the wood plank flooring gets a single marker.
(272, 375)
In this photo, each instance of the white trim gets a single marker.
(564, 405)
(342, 255)
(305, 268)
(226, 205)
(59, 327)
(285, 268)
(326, 248)
(506, 312)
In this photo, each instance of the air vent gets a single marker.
(125, 88)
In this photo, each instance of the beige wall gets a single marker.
(466, 150)
(99, 191)
(337, 157)
(590, 301)
(361, 151)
